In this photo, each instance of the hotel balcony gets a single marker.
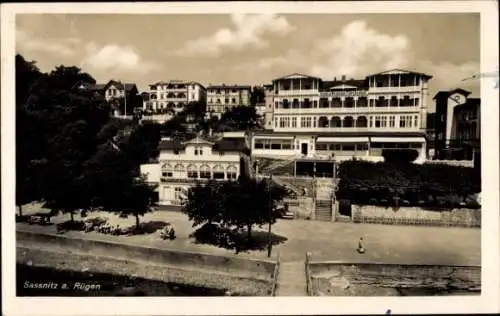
(394, 89)
(302, 92)
(394, 130)
(347, 110)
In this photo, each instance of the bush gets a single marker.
(402, 156)
(167, 232)
(389, 184)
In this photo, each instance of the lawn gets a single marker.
(326, 241)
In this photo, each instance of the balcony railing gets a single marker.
(339, 110)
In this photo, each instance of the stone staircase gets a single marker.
(292, 279)
(323, 210)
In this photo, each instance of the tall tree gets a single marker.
(241, 118)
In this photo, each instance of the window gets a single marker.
(286, 144)
(371, 102)
(362, 147)
(321, 146)
(231, 172)
(233, 100)
(275, 122)
(348, 147)
(405, 121)
(284, 122)
(294, 122)
(378, 121)
(219, 172)
(336, 147)
(276, 145)
(384, 121)
(259, 144)
(315, 103)
(179, 169)
(415, 122)
(192, 172)
(392, 121)
(305, 122)
(205, 172)
(167, 171)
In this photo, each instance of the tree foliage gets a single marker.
(241, 118)
(241, 204)
(399, 156)
(70, 152)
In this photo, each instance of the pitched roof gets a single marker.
(120, 85)
(445, 94)
(403, 71)
(234, 86)
(217, 144)
(295, 75)
(358, 83)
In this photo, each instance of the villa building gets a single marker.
(457, 124)
(222, 98)
(310, 117)
(182, 164)
(172, 96)
(117, 90)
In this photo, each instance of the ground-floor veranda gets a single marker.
(335, 146)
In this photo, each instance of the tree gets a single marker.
(258, 95)
(142, 143)
(241, 204)
(28, 142)
(203, 204)
(241, 118)
(253, 202)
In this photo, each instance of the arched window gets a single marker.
(166, 170)
(232, 172)
(192, 172)
(323, 121)
(170, 95)
(361, 122)
(205, 172)
(218, 172)
(348, 122)
(179, 171)
(335, 122)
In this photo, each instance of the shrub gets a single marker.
(399, 155)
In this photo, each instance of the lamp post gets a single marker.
(270, 206)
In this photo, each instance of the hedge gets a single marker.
(390, 184)
(399, 155)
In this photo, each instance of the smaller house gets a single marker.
(184, 163)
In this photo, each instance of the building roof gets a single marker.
(341, 134)
(295, 75)
(399, 71)
(120, 85)
(470, 103)
(358, 83)
(446, 94)
(222, 145)
(234, 86)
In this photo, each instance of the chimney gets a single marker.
(343, 77)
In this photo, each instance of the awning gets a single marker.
(273, 137)
(342, 140)
(397, 139)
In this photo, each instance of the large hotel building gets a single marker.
(314, 118)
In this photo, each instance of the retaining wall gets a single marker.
(381, 279)
(251, 277)
(416, 216)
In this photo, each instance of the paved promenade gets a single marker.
(326, 241)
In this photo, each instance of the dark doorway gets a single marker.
(304, 149)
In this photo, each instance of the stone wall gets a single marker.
(380, 279)
(302, 207)
(416, 216)
(193, 268)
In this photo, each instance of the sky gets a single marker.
(254, 49)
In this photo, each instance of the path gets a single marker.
(292, 279)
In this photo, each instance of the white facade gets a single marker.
(222, 98)
(346, 118)
(181, 166)
(114, 91)
(173, 96)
